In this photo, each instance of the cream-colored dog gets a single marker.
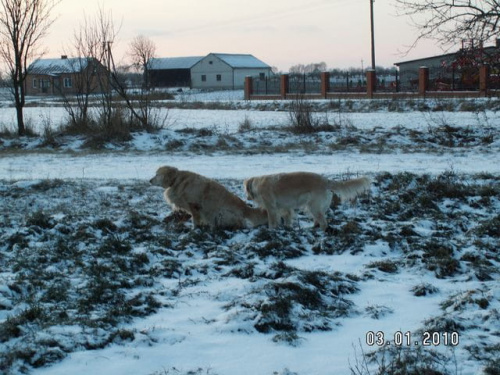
(280, 194)
(208, 202)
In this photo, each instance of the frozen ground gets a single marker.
(97, 277)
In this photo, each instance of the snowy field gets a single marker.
(97, 276)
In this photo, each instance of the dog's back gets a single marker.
(281, 193)
(286, 190)
(208, 202)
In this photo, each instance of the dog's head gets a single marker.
(248, 184)
(164, 177)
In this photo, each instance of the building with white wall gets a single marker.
(214, 71)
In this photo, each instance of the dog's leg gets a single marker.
(195, 213)
(287, 217)
(318, 212)
(273, 218)
(321, 220)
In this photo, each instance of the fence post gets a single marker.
(484, 79)
(423, 80)
(285, 84)
(325, 84)
(371, 82)
(248, 87)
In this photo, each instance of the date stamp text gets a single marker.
(399, 338)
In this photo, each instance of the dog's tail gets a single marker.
(350, 189)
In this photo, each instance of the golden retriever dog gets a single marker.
(208, 202)
(280, 194)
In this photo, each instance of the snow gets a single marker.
(160, 63)
(229, 120)
(58, 65)
(198, 331)
(125, 166)
(204, 346)
(240, 60)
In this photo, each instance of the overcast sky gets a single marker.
(282, 33)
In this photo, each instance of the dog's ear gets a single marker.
(167, 175)
(170, 176)
(248, 188)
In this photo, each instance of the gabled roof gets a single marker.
(443, 56)
(173, 62)
(233, 60)
(58, 66)
(241, 60)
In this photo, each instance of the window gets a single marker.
(203, 78)
(35, 83)
(219, 77)
(210, 62)
(68, 82)
(262, 76)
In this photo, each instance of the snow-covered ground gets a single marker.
(214, 292)
(143, 166)
(229, 120)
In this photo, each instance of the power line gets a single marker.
(282, 13)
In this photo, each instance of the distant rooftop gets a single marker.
(58, 66)
(241, 60)
(233, 60)
(174, 62)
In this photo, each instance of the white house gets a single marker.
(226, 71)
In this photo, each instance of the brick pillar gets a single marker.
(371, 82)
(484, 79)
(284, 85)
(248, 87)
(423, 80)
(325, 84)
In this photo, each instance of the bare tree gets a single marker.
(90, 44)
(451, 21)
(309, 68)
(93, 42)
(23, 23)
(141, 51)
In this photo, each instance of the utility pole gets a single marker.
(373, 33)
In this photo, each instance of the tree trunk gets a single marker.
(21, 129)
(19, 101)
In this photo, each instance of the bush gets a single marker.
(301, 116)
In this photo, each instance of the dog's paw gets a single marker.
(177, 217)
(329, 230)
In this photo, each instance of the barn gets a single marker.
(455, 71)
(214, 71)
(171, 71)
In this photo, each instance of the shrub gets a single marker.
(301, 116)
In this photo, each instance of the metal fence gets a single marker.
(297, 84)
(304, 84)
(311, 83)
(470, 80)
(446, 78)
(356, 82)
(267, 86)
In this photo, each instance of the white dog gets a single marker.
(208, 202)
(280, 194)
